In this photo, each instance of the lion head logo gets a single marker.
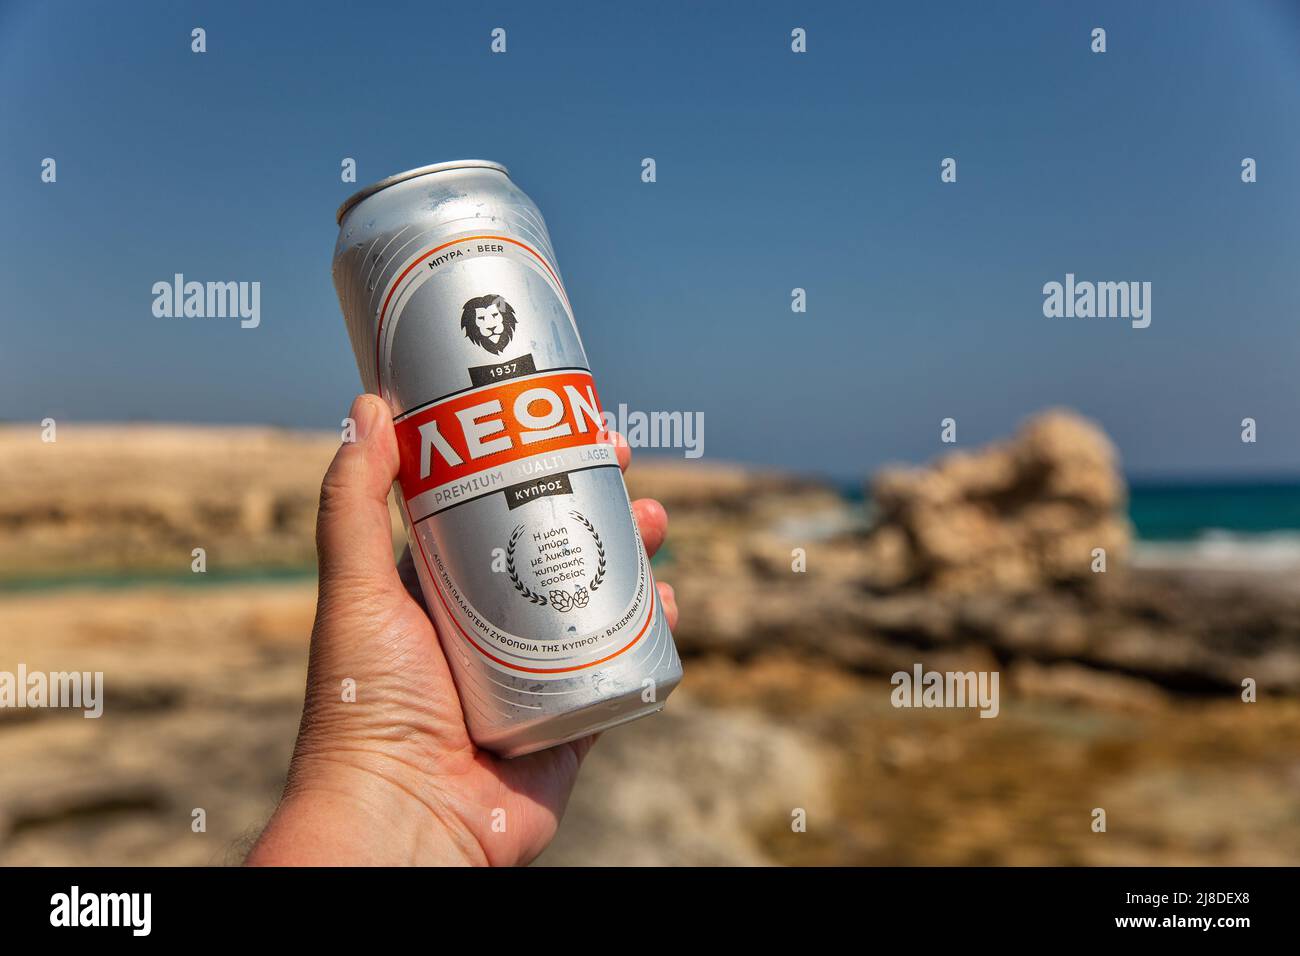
(488, 321)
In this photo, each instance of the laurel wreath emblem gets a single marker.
(514, 575)
(558, 598)
(600, 550)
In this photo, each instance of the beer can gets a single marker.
(519, 523)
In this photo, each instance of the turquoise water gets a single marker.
(116, 580)
(1185, 511)
(1234, 525)
(186, 578)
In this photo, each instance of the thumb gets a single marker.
(354, 539)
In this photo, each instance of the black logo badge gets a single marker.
(488, 321)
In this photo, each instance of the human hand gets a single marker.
(393, 777)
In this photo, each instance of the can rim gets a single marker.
(370, 190)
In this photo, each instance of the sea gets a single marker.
(1233, 525)
(1228, 525)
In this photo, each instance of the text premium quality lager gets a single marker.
(519, 523)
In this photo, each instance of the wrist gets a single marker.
(359, 811)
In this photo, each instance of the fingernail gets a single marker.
(365, 412)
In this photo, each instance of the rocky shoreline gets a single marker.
(1120, 688)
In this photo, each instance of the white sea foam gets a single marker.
(1218, 549)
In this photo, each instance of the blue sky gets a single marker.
(775, 170)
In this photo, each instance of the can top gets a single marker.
(411, 174)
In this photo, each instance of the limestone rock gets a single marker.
(1015, 516)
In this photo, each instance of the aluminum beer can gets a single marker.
(519, 523)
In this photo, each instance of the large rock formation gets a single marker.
(1014, 516)
(984, 557)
